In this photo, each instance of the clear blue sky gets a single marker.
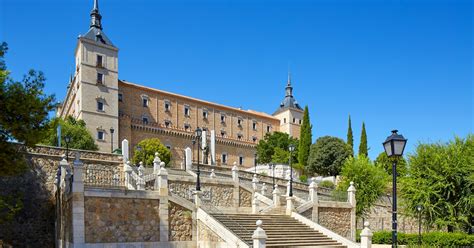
(393, 64)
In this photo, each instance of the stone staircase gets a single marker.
(282, 231)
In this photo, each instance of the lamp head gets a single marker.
(291, 147)
(394, 145)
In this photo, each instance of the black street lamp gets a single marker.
(194, 142)
(255, 162)
(198, 138)
(394, 146)
(418, 209)
(67, 139)
(112, 139)
(291, 148)
(272, 166)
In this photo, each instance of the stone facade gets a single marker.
(109, 220)
(336, 219)
(181, 223)
(245, 198)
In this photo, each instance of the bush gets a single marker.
(431, 239)
(303, 178)
(147, 154)
(327, 184)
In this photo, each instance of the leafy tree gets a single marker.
(266, 146)
(147, 153)
(363, 149)
(81, 138)
(350, 138)
(384, 162)
(327, 156)
(280, 156)
(441, 179)
(305, 139)
(23, 115)
(369, 181)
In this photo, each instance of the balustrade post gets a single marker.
(264, 189)
(235, 173)
(255, 204)
(156, 164)
(290, 205)
(351, 196)
(366, 236)
(288, 185)
(128, 175)
(254, 183)
(141, 180)
(259, 236)
(78, 203)
(313, 196)
(163, 180)
(276, 196)
(213, 174)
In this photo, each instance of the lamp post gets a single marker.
(418, 209)
(194, 142)
(394, 146)
(198, 181)
(291, 148)
(255, 161)
(272, 166)
(112, 139)
(67, 139)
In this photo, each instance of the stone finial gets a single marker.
(366, 236)
(264, 188)
(255, 205)
(276, 196)
(254, 182)
(128, 167)
(141, 169)
(259, 236)
(351, 187)
(156, 164)
(162, 165)
(235, 164)
(213, 174)
(63, 157)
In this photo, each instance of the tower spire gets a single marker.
(289, 88)
(95, 16)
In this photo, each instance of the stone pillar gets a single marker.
(189, 158)
(259, 236)
(125, 151)
(163, 181)
(78, 226)
(213, 174)
(254, 183)
(235, 173)
(264, 189)
(156, 164)
(351, 196)
(141, 180)
(213, 147)
(197, 198)
(255, 205)
(163, 191)
(235, 178)
(290, 205)
(287, 188)
(313, 197)
(276, 196)
(128, 175)
(366, 236)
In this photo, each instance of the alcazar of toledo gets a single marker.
(115, 109)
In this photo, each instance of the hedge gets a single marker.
(431, 239)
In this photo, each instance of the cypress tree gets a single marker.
(305, 139)
(363, 150)
(350, 138)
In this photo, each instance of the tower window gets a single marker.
(239, 122)
(222, 118)
(100, 78)
(241, 160)
(254, 125)
(186, 111)
(254, 138)
(222, 133)
(167, 106)
(120, 97)
(167, 123)
(145, 102)
(300, 122)
(224, 158)
(268, 129)
(168, 146)
(100, 105)
(187, 127)
(145, 120)
(100, 135)
(239, 136)
(99, 61)
(294, 120)
(284, 120)
(205, 114)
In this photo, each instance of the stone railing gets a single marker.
(98, 177)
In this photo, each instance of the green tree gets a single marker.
(280, 156)
(363, 149)
(305, 140)
(24, 109)
(81, 138)
(147, 153)
(384, 162)
(350, 137)
(441, 179)
(266, 146)
(369, 181)
(327, 156)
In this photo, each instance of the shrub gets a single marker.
(303, 178)
(327, 184)
(147, 154)
(431, 239)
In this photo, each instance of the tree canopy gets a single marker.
(266, 147)
(147, 153)
(363, 149)
(441, 179)
(305, 140)
(384, 162)
(81, 138)
(369, 181)
(327, 156)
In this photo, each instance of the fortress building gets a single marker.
(115, 109)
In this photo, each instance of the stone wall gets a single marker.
(206, 234)
(110, 220)
(380, 218)
(336, 219)
(181, 223)
(217, 194)
(245, 198)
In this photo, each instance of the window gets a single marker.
(254, 125)
(205, 114)
(120, 97)
(224, 158)
(167, 123)
(300, 122)
(294, 120)
(268, 129)
(145, 120)
(168, 146)
(241, 160)
(239, 136)
(284, 120)
(222, 133)
(100, 135)
(99, 61)
(254, 138)
(187, 127)
(205, 129)
(167, 106)
(145, 102)
(100, 105)
(239, 122)
(186, 110)
(100, 78)
(222, 118)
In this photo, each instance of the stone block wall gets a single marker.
(206, 234)
(181, 223)
(336, 219)
(245, 198)
(110, 220)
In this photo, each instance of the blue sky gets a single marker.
(393, 64)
